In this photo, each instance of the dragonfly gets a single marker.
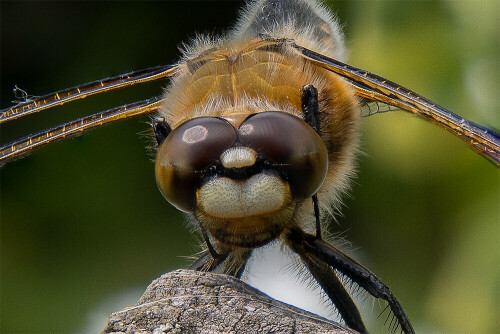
(360, 82)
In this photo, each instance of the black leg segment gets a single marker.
(236, 262)
(335, 290)
(316, 215)
(310, 107)
(206, 262)
(307, 245)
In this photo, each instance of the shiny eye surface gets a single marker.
(285, 142)
(292, 145)
(186, 153)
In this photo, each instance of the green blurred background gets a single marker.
(84, 228)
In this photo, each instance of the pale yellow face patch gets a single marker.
(260, 194)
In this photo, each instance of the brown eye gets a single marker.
(292, 145)
(186, 153)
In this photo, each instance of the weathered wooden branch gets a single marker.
(186, 301)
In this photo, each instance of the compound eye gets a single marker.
(186, 153)
(292, 146)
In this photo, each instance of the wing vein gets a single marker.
(76, 127)
(88, 89)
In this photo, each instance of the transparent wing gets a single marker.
(79, 92)
(71, 129)
(371, 87)
(370, 107)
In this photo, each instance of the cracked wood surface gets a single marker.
(186, 301)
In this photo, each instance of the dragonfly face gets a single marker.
(109, 146)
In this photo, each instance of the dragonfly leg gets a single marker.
(236, 262)
(308, 246)
(310, 108)
(327, 278)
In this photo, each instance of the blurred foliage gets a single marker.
(82, 221)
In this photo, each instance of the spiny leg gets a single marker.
(309, 245)
(314, 251)
(316, 216)
(310, 108)
(333, 287)
(211, 248)
(206, 262)
(211, 259)
(330, 283)
(236, 262)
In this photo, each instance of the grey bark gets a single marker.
(186, 301)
